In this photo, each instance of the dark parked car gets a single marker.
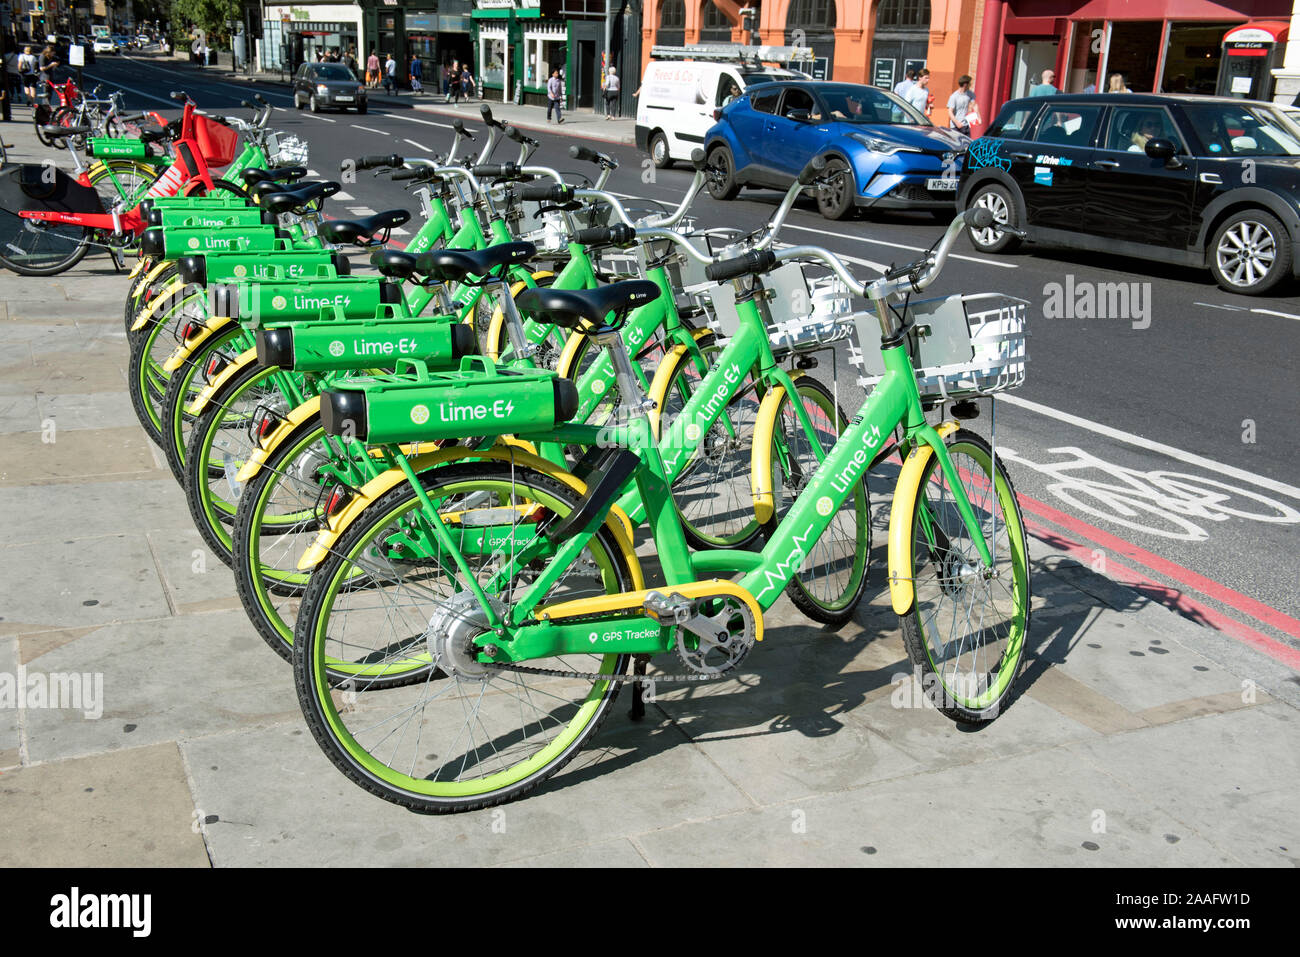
(888, 155)
(319, 85)
(1206, 181)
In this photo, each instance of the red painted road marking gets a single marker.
(1275, 649)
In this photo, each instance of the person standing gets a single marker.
(919, 93)
(48, 64)
(350, 61)
(1045, 88)
(905, 84)
(390, 75)
(961, 106)
(417, 74)
(1117, 84)
(372, 69)
(13, 82)
(612, 98)
(554, 92)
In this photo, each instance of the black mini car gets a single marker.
(318, 85)
(1206, 181)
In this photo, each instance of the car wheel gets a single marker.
(297, 103)
(659, 151)
(1251, 253)
(835, 199)
(312, 102)
(722, 185)
(998, 201)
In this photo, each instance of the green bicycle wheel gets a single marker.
(965, 632)
(829, 584)
(183, 387)
(468, 735)
(150, 347)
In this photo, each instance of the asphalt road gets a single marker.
(1178, 420)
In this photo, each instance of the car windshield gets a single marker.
(333, 71)
(1244, 130)
(852, 103)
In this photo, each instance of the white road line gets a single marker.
(418, 146)
(399, 231)
(369, 130)
(342, 197)
(247, 88)
(1270, 312)
(312, 173)
(412, 119)
(1215, 305)
(317, 116)
(361, 211)
(881, 242)
(1168, 450)
(161, 99)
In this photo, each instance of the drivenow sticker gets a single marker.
(1043, 175)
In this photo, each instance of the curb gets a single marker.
(623, 140)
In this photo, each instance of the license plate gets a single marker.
(343, 99)
(948, 185)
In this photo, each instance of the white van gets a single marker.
(679, 98)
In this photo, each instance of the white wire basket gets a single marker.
(961, 346)
(805, 312)
(285, 149)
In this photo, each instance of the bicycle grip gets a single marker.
(808, 175)
(555, 192)
(404, 174)
(699, 160)
(758, 260)
(618, 235)
(487, 116)
(459, 127)
(584, 153)
(978, 217)
(518, 137)
(372, 161)
(495, 170)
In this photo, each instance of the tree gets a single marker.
(210, 16)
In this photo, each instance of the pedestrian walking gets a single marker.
(554, 92)
(906, 83)
(47, 65)
(612, 98)
(454, 88)
(1045, 88)
(13, 80)
(417, 74)
(467, 86)
(27, 71)
(961, 106)
(390, 75)
(372, 69)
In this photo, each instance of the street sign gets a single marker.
(76, 55)
(883, 73)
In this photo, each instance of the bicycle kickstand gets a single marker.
(637, 711)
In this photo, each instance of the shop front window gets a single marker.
(1134, 51)
(1085, 52)
(493, 58)
(1192, 63)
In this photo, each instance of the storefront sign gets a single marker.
(883, 73)
(821, 66)
(454, 24)
(421, 21)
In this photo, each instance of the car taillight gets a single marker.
(717, 115)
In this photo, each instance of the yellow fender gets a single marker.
(664, 375)
(908, 486)
(135, 270)
(150, 310)
(188, 348)
(760, 454)
(245, 360)
(569, 355)
(496, 328)
(265, 446)
(629, 600)
(617, 522)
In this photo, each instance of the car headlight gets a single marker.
(322, 88)
(361, 89)
(877, 145)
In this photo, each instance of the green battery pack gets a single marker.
(314, 346)
(254, 304)
(415, 404)
(174, 242)
(112, 147)
(285, 266)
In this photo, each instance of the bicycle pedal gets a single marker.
(668, 609)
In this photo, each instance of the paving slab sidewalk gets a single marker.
(1139, 738)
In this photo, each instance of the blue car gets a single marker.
(888, 155)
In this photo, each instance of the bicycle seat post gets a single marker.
(497, 286)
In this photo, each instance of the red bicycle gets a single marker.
(44, 115)
(59, 217)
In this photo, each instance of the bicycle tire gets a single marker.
(139, 174)
(174, 422)
(536, 744)
(16, 230)
(829, 584)
(943, 567)
(146, 379)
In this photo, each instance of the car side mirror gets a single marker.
(799, 116)
(1161, 149)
